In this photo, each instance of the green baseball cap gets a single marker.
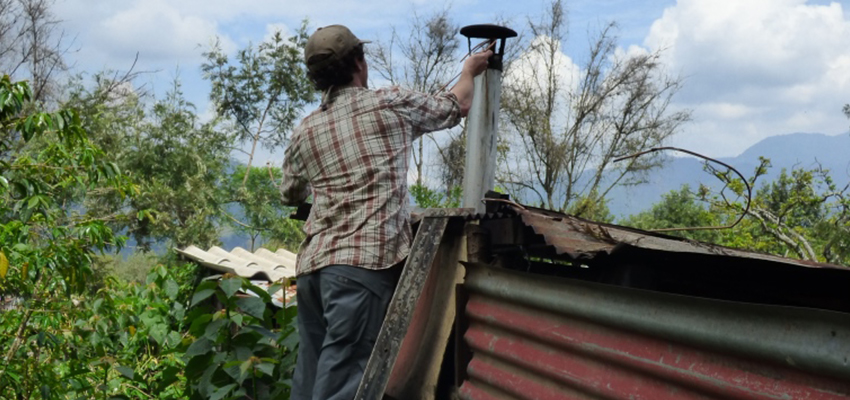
(329, 44)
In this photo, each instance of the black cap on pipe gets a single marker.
(487, 31)
(493, 33)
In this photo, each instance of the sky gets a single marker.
(751, 68)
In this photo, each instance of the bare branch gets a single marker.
(422, 61)
(572, 121)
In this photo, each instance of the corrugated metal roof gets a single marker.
(263, 263)
(539, 337)
(582, 239)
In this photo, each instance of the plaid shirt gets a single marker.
(354, 156)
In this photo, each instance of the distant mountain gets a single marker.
(796, 150)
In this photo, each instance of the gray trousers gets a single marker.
(340, 312)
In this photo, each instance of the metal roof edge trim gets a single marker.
(807, 339)
(595, 237)
(416, 214)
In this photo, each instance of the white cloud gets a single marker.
(167, 33)
(839, 72)
(319, 12)
(787, 59)
(632, 51)
(529, 67)
(156, 30)
(727, 110)
(768, 42)
(164, 34)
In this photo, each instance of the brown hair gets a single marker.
(338, 73)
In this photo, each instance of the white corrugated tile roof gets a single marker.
(263, 263)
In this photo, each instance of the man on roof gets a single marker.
(352, 155)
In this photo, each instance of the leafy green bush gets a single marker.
(124, 341)
(133, 268)
(69, 331)
(47, 163)
(66, 332)
(244, 347)
(129, 340)
(425, 197)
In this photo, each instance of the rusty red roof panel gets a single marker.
(535, 337)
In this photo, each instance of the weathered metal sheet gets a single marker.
(581, 239)
(416, 371)
(537, 337)
(416, 213)
(413, 279)
(481, 137)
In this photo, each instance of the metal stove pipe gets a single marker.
(483, 119)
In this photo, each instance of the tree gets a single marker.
(429, 58)
(680, 209)
(31, 47)
(591, 207)
(568, 125)
(263, 91)
(807, 213)
(803, 213)
(37, 184)
(263, 214)
(179, 165)
(46, 244)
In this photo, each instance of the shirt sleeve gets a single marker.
(427, 112)
(295, 187)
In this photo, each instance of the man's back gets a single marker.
(354, 153)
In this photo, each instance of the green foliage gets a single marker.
(123, 340)
(65, 333)
(187, 185)
(591, 207)
(801, 214)
(243, 347)
(133, 268)
(425, 197)
(807, 213)
(264, 214)
(679, 209)
(262, 91)
(131, 338)
(178, 163)
(79, 323)
(47, 242)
